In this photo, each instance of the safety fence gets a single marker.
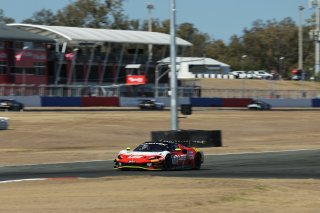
(148, 91)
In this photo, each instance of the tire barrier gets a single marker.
(186, 109)
(4, 123)
(190, 138)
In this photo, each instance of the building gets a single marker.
(23, 56)
(198, 67)
(88, 56)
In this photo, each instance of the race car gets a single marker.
(151, 105)
(159, 156)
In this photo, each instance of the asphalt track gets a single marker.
(300, 164)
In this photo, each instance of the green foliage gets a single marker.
(4, 19)
(42, 17)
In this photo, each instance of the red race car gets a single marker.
(159, 156)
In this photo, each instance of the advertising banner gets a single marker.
(136, 79)
(26, 58)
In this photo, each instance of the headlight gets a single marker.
(119, 157)
(154, 157)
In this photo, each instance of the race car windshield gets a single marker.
(152, 147)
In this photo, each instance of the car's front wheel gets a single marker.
(167, 164)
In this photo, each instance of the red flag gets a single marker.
(69, 56)
(18, 56)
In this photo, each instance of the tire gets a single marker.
(167, 164)
(197, 162)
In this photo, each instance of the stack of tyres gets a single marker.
(4, 123)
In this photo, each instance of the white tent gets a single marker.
(198, 67)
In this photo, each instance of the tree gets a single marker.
(4, 19)
(199, 40)
(42, 17)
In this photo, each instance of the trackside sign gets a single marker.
(136, 79)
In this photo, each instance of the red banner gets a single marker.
(136, 79)
(26, 58)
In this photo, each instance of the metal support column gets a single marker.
(173, 76)
(105, 63)
(119, 65)
(58, 71)
(90, 65)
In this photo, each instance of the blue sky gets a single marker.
(219, 18)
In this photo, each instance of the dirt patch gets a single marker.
(161, 194)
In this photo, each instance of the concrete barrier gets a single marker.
(288, 102)
(206, 102)
(316, 102)
(61, 101)
(28, 101)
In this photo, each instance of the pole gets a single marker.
(73, 64)
(156, 81)
(64, 47)
(150, 7)
(301, 8)
(173, 79)
(317, 46)
(243, 77)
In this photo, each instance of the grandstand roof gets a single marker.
(14, 34)
(87, 35)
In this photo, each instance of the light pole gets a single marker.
(243, 57)
(281, 65)
(150, 7)
(173, 79)
(315, 34)
(301, 8)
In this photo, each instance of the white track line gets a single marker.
(20, 180)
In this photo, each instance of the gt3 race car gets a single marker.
(159, 156)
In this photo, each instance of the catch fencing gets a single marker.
(144, 91)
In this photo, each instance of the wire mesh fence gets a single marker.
(147, 91)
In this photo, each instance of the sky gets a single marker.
(220, 19)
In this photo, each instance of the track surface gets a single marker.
(302, 164)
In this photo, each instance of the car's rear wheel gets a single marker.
(167, 165)
(197, 162)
